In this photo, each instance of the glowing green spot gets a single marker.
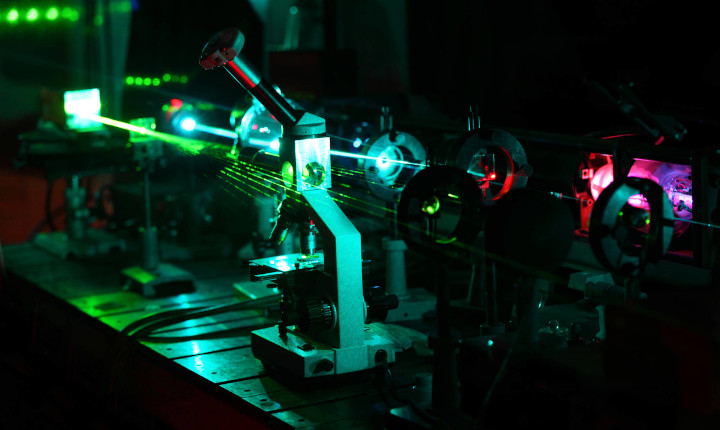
(13, 16)
(166, 77)
(138, 81)
(129, 80)
(431, 206)
(453, 196)
(288, 174)
(98, 20)
(74, 16)
(67, 12)
(620, 214)
(52, 14)
(647, 221)
(156, 82)
(446, 241)
(147, 81)
(32, 14)
(183, 79)
(175, 78)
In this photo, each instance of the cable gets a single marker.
(144, 327)
(203, 336)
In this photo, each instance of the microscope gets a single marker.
(324, 306)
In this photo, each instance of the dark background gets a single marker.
(522, 63)
(525, 64)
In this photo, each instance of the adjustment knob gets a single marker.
(378, 304)
(315, 313)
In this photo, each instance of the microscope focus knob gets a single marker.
(378, 304)
(316, 313)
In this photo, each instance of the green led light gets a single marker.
(13, 16)
(175, 78)
(647, 221)
(183, 79)
(74, 16)
(129, 80)
(166, 77)
(52, 13)
(66, 12)
(156, 82)
(620, 214)
(32, 14)
(138, 81)
(98, 20)
(147, 81)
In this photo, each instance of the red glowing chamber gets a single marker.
(675, 179)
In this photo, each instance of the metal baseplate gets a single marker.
(306, 357)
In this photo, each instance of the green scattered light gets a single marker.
(74, 15)
(156, 82)
(52, 13)
(183, 79)
(98, 20)
(175, 78)
(129, 80)
(13, 15)
(166, 77)
(191, 146)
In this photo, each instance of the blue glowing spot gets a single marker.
(357, 142)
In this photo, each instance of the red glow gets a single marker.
(242, 77)
(660, 140)
(493, 175)
(618, 135)
(176, 103)
(254, 126)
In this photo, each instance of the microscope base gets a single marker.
(165, 280)
(95, 242)
(301, 355)
(413, 306)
